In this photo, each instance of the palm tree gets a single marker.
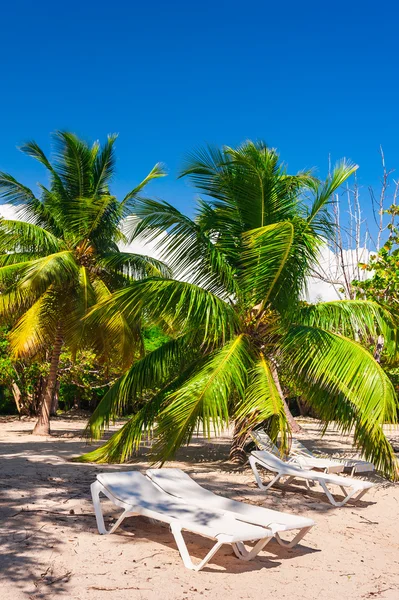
(62, 256)
(239, 319)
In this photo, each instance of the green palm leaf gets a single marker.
(122, 444)
(176, 302)
(58, 268)
(120, 334)
(156, 172)
(152, 371)
(104, 166)
(265, 254)
(359, 319)
(262, 402)
(74, 163)
(35, 328)
(27, 237)
(204, 398)
(344, 384)
(186, 248)
(135, 266)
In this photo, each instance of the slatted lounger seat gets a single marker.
(137, 495)
(180, 485)
(268, 461)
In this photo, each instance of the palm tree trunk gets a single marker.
(237, 452)
(42, 426)
(16, 392)
(295, 427)
(54, 404)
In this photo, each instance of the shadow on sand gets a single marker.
(39, 485)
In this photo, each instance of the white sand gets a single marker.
(51, 548)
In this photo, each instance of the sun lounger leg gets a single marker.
(244, 554)
(261, 485)
(309, 484)
(329, 495)
(96, 488)
(347, 497)
(296, 539)
(360, 495)
(181, 544)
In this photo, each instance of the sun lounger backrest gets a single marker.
(274, 461)
(298, 447)
(179, 484)
(131, 486)
(263, 442)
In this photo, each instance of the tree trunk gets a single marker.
(16, 392)
(237, 452)
(378, 348)
(76, 400)
(295, 427)
(54, 404)
(42, 426)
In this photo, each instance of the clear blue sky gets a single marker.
(309, 77)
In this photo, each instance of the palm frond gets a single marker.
(152, 371)
(262, 402)
(12, 271)
(73, 163)
(248, 184)
(18, 257)
(157, 171)
(26, 237)
(83, 216)
(359, 319)
(135, 266)
(265, 192)
(323, 192)
(32, 149)
(80, 299)
(58, 269)
(265, 254)
(344, 384)
(35, 329)
(121, 335)
(191, 253)
(14, 301)
(29, 208)
(14, 192)
(204, 398)
(180, 303)
(125, 442)
(104, 166)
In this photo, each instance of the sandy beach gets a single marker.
(51, 548)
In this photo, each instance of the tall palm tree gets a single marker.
(239, 319)
(61, 257)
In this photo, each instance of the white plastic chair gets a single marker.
(353, 465)
(302, 459)
(283, 469)
(137, 495)
(180, 485)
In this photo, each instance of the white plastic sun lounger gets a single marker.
(180, 485)
(353, 465)
(305, 461)
(137, 495)
(282, 469)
